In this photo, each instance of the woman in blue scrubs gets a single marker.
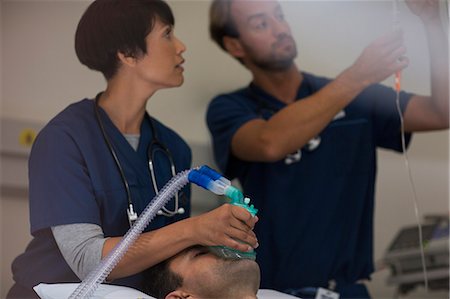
(90, 162)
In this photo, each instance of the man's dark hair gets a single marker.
(159, 280)
(111, 26)
(220, 22)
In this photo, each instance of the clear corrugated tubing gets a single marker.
(90, 284)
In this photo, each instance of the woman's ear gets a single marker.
(233, 46)
(126, 59)
(178, 294)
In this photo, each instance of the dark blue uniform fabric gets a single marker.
(73, 179)
(315, 215)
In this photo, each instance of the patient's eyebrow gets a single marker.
(189, 249)
(193, 251)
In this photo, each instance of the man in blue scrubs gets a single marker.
(90, 163)
(304, 147)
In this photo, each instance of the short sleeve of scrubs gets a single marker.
(60, 187)
(385, 115)
(225, 115)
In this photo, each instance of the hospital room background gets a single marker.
(40, 75)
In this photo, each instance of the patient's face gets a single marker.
(207, 276)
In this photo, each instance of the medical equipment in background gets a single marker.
(403, 256)
(155, 145)
(204, 177)
(16, 140)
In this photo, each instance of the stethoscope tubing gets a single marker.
(132, 215)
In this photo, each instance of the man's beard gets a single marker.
(275, 61)
(242, 273)
(231, 277)
(274, 64)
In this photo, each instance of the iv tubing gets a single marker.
(413, 189)
(397, 85)
(88, 286)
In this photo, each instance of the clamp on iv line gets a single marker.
(202, 176)
(396, 25)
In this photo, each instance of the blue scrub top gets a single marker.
(315, 215)
(73, 179)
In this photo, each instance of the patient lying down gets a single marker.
(193, 273)
(197, 273)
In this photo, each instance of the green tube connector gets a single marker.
(234, 194)
(237, 199)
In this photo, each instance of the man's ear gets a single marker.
(233, 46)
(178, 294)
(126, 59)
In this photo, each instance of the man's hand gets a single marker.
(426, 10)
(379, 60)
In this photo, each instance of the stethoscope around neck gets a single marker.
(155, 145)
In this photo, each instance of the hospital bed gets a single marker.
(106, 291)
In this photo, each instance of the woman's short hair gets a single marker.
(108, 27)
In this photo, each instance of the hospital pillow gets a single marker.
(107, 291)
(104, 291)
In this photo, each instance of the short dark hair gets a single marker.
(159, 280)
(111, 26)
(220, 22)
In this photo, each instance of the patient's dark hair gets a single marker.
(111, 26)
(159, 280)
